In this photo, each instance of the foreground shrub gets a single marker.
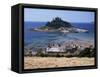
(87, 52)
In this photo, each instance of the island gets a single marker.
(58, 25)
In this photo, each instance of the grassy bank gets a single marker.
(50, 62)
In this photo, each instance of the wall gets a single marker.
(5, 39)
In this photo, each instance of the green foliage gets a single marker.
(30, 53)
(58, 55)
(44, 27)
(39, 52)
(43, 55)
(93, 52)
(87, 52)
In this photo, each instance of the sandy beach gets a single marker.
(50, 62)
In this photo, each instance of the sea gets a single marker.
(36, 38)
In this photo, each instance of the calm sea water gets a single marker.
(43, 38)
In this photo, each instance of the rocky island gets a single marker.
(57, 24)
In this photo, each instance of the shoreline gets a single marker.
(64, 30)
(81, 43)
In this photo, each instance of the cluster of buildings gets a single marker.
(58, 48)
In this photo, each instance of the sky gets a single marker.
(44, 15)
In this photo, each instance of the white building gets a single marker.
(54, 49)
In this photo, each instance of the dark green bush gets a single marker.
(87, 52)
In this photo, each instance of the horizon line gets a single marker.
(68, 21)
